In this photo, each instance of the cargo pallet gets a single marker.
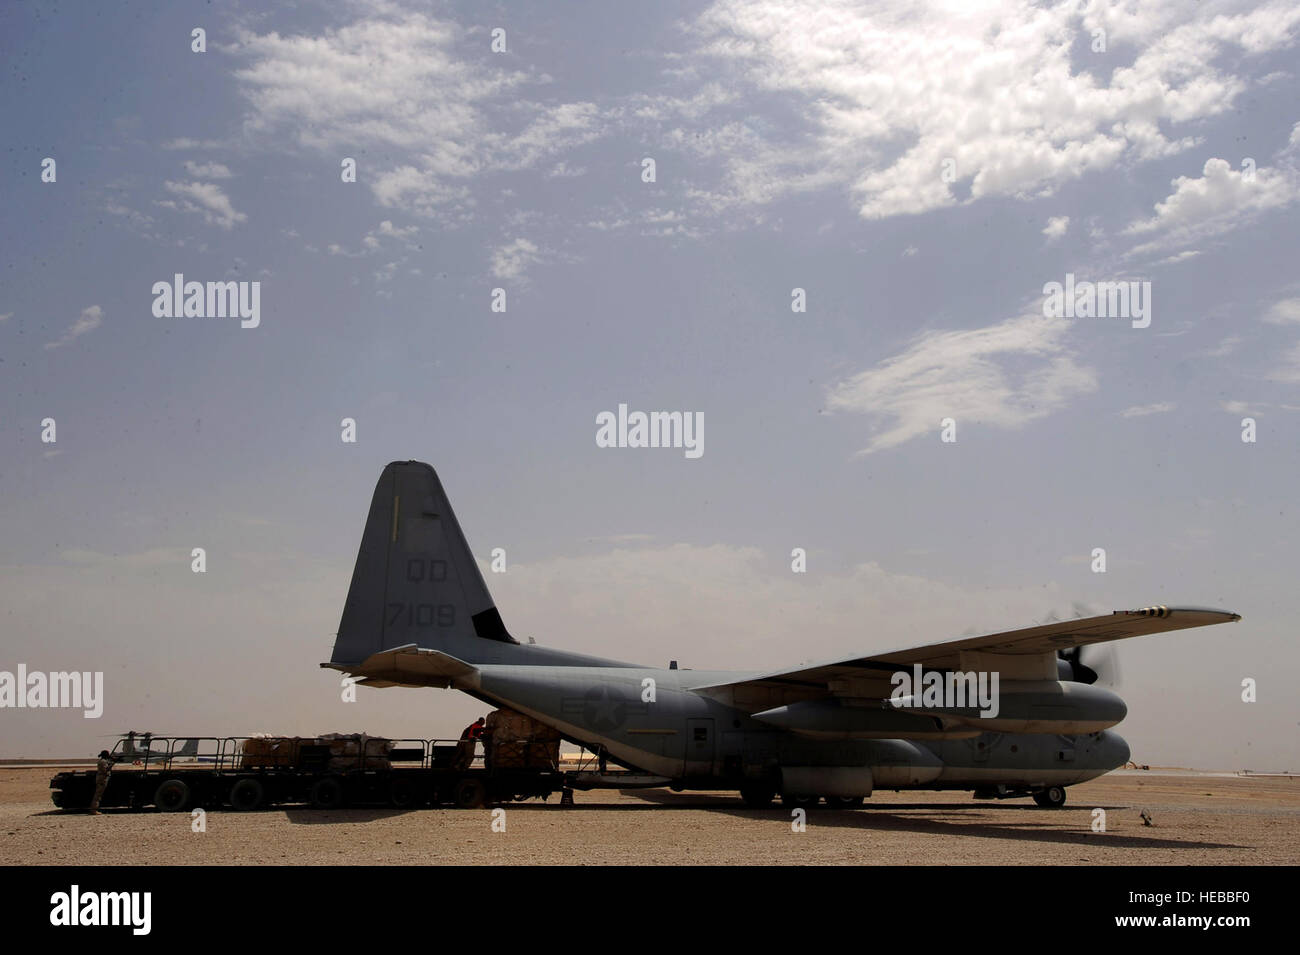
(178, 774)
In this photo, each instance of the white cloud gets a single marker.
(402, 232)
(335, 249)
(1056, 227)
(185, 143)
(511, 260)
(1289, 369)
(1225, 347)
(206, 170)
(967, 375)
(562, 170)
(1141, 411)
(1180, 257)
(877, 96)
(1220, 200)
(205, 199)
(1285, 312)
(385, 273)
(397, 80)
(386, 230)
(373, 241)
(90, 319)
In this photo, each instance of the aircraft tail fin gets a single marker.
(416, 581)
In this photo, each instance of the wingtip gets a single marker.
(1162, 610)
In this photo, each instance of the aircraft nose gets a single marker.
(1114, 749)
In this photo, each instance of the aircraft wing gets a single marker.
(1020, 652)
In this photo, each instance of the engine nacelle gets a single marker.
(1037, 706)
(835, 718)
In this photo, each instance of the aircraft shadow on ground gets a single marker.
(335, 817)
(887, 817)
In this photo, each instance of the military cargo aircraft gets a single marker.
(418, 613)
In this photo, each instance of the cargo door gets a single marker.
(699, 747)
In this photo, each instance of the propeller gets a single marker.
(1096, 663)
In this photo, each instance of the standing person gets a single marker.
(102, 770)
(465, 748)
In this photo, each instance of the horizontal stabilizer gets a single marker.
(411, 665)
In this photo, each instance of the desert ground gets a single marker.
(1198, 819)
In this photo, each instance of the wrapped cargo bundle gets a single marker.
(505, 725)
(270, 751)
(516, 741)
(345, 751)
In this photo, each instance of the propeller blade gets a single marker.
(1080, 672)
(1103, 660)
(1101, 665)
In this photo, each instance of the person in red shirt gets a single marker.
(465, 749)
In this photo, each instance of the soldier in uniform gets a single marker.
(102, 769)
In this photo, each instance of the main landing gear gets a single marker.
(1053, 797)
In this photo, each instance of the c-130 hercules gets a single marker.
(418, 613)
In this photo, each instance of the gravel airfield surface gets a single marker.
(1199, 819)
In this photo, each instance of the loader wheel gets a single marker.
(1053, 797)
(172, 795)
(326, 793)
(402, 793)
(470, 794)
(246, 795)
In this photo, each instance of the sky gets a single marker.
(828, 229)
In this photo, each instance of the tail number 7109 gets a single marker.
(422, 615)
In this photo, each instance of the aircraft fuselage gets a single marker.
(655, 721)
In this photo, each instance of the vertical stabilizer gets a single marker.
(416, 580)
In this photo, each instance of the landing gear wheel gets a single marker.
(844, 802)
(1053, 797)
(757, 797)
(798, 801)
(172, 795)
(326, 793)
(470, 794)
(246, 795)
